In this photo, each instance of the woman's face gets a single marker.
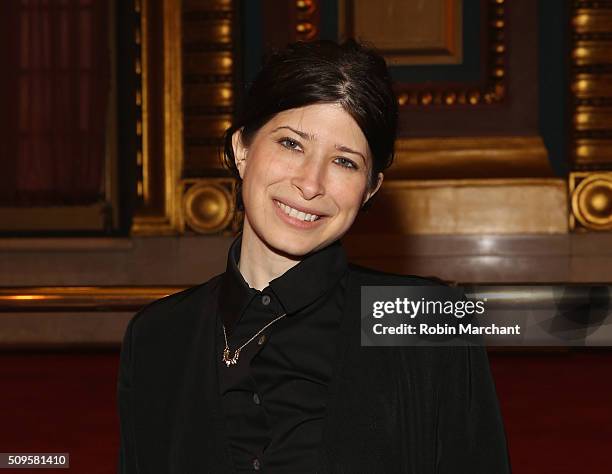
(306, 163)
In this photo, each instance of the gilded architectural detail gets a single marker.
(141, 63)
(590, 185)
(81, 298)
(494, 90)
(306, 27)
(591, 201)
(196, 98)
(159, 170)
(468, 206)
(470, 157)
(208, 205)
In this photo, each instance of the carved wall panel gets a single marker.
(406, 32)
(185, 102)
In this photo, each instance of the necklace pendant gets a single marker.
(230, 360)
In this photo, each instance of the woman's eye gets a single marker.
(289, 143)
(345, 162)
(294, 145)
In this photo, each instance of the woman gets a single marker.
(261, 368)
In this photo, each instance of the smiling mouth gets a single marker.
(291, 212)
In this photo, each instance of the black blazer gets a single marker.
(411, 410)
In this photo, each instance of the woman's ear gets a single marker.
(240, 151)
(371, 193)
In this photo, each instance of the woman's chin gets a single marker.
(293, 246)
(288, 240)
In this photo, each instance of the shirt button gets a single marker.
(261, 340)
(265, 299)
(256, 399)
(256, 464)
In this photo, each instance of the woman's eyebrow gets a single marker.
(349, 150)
(304, 135)
(310, 137)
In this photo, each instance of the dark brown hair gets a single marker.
(349, 74)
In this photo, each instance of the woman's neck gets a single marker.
(259, 264)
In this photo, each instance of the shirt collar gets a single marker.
(299, 286)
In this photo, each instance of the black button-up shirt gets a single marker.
(275, 397)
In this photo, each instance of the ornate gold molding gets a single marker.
(439, 23)
(493, 92)
(141, 38)
(208, 205)
(190, 87)
(173, 112)
(158, 182)
(470, 157)
(591, 85)
(209, 73)
(591, 152)
(591, 201)
(590, 185)
(468, 206)
(209, 80)
(306, 26)
(81, 298)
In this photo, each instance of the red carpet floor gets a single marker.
(557, 409)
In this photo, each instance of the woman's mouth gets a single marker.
(296, 218)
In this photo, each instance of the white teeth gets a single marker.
(297, 214)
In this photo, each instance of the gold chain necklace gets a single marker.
(226, 352)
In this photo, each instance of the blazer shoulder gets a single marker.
(377, 277)
(172, 304)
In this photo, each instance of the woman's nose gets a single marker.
(309, 179)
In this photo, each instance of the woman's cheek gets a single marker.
(348, 195)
